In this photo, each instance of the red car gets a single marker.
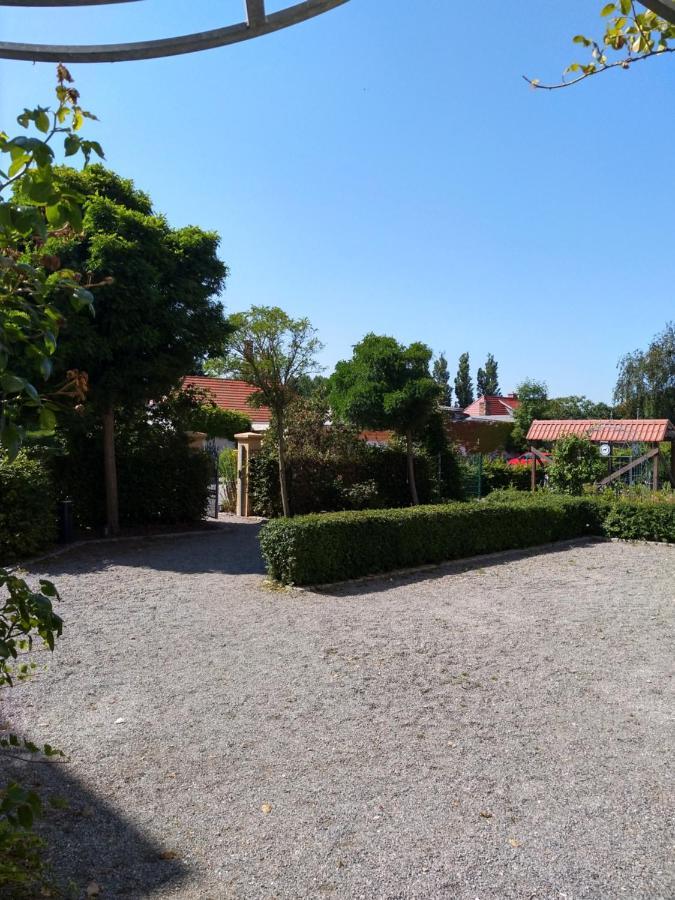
(525, 459)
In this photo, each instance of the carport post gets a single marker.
(534, 469)
(248, 444)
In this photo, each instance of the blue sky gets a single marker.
(384, 168)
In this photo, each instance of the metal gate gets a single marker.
(213, 501)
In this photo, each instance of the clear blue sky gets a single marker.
(383, 167)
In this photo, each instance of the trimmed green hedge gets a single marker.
(316, 549)
(27, 508)
(640, 521)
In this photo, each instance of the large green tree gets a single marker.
(274, 353)
(158, 314)
(533, 397)
(463, 385)
(645, 386)
(487, 379)
(387, 385)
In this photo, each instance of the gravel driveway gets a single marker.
(496, 730)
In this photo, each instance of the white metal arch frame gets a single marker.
(257, 23)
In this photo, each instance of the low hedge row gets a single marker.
(317, 549)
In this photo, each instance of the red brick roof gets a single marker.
(230, 394)
(490, 405)
(604, 430)
(376, 437)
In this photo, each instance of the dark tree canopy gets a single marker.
(487, 380)
(645, 386)
(441, 375)
(160, 314)
(463, 385)
(387, 385)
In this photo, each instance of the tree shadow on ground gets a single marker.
(89, 841)
(226, 549)
(375, 584)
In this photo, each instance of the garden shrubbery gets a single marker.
(317, 549)
(371, 478)
(498, 474)
(27, 508)
(160, 479)
(322, 548)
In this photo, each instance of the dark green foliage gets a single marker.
(487, 379)
(441, 376)
(498, 474)
(317, 549)
(219, 423)
(463, 386)
(160, 313)
(375, 478)
(161, 481)
(27, 508)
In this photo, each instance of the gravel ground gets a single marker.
(496, 730)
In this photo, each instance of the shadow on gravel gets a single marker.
(226, 549)
(376, 584)
(91, 842)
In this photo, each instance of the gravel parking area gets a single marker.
(499, 729)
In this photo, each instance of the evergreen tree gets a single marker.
(441, 376)
(487, 380)
(463, 386)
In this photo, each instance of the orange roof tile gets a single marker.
(230, 394)
(608, 431)
(492, 405)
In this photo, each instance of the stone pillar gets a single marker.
(248, 444)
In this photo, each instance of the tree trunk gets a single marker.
(411, 468)
(110, 469)
(283, 484)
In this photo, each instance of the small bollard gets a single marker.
(66, 528)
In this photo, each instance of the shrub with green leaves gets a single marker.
(27, 508)
(317, 549)
(219, 423)
(640, 521)
(575, 462)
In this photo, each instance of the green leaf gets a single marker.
(71, 144)
(42, 121)
(608, 9)
(47, 421)
(12, 384)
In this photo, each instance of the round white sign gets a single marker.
(605, 450)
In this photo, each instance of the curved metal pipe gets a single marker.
(257, 25)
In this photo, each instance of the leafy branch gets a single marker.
(635, 35)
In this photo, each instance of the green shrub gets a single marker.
(640, 521)
(374, 478)
(316, 549)
(161, 481)
(219, 423)
(27, 508)
(575, 462)
(498, 474)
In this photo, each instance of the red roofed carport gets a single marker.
(609, 431)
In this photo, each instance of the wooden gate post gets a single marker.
(248, 444)
(534, 470)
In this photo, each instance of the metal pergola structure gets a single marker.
(257, 23)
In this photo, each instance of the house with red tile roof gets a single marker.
(227, 393)
(493, 407)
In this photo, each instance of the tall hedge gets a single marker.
(161, 481)
(27, 508)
